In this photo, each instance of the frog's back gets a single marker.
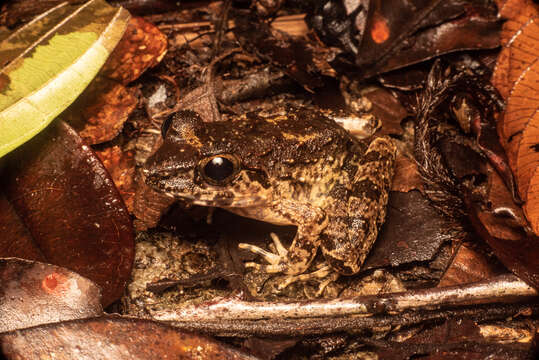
(307, 156)
(294, 140)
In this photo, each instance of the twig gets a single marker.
(505, 288)
(351, 324)
(326, 316)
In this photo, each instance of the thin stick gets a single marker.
(504, 288)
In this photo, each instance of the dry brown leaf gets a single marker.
(531, 208)
(521, 105)
(99, 113)
(468, 266)
(406, 175)
(528, 154)
(517, 78)
(113, 338)
(515, 37)
(35, 293)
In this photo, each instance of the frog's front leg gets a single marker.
(310, 221)
(348, 238)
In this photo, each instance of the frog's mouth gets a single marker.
(217, 197)
(242, 194)
(224, 202)
(211, 196)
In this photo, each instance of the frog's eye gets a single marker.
(165, 125)
(219, 169)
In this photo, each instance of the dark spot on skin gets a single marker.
(166, 125)
(338, 191)
(366, 189)
(349, 165)
(339, 266)
(371, 156)
(259, 177)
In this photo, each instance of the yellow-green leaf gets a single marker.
(47, 63)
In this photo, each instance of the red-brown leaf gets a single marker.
(121, 167)
(66, 200)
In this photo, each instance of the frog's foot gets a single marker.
(324, 272)
(277, 261)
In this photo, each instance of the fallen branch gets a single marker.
(233, 317)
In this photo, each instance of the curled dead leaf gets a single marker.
(72, 212)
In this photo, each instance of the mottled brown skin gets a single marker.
(294, 166)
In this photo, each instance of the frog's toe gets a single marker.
(321, 273)
(276, 263)
(269, 269)
(277, 260)
(281, 250)
(271, 258)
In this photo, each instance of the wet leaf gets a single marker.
(33, 293)
(65, 199)
(458, 34)
(112, 338)
(19, 241)
(380, 36)
(49, 63)
(414, 231)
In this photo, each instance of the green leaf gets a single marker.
(47, 63)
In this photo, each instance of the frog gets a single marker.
(289, 166)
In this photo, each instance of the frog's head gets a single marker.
(204, 163)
